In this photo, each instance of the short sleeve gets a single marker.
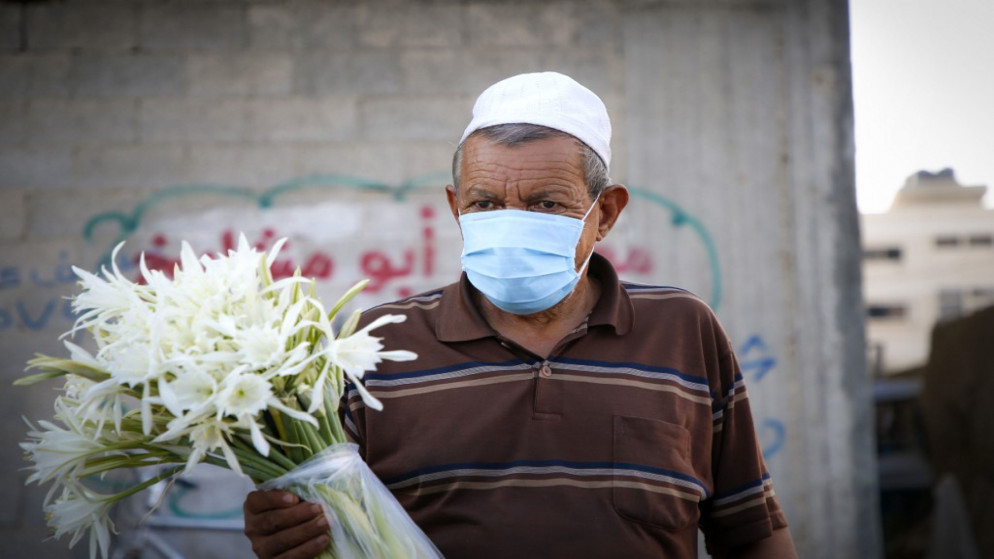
(743, 507)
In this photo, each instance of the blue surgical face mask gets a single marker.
(523, 262)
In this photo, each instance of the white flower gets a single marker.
(77, 510)
(56, 451)
(360, 352)
(193, 389)
(244, 394)
(208, 436)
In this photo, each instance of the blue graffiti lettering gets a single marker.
(5, 319)
(755, 358)
(67, 310)
(776, 438)
(32, 322)
(9, 277)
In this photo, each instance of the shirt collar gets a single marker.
(459, 320)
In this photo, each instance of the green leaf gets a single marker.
(349, 295)
(53, 367)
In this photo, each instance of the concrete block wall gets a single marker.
(334, 123)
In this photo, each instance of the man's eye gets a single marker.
(483, 204)
(547, 205)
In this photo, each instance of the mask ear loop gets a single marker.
(584, 220)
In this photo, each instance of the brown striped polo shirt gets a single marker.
(635, 432)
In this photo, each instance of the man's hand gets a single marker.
(280, 525)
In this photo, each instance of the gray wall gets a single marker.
(333, 123)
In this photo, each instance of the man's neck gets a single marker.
(542, 331)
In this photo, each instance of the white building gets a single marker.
(929, 258)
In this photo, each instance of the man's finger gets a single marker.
(257, 502)
(277, 520)
(304, 541)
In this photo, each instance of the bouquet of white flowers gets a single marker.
(218, 364)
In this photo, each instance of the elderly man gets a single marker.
(554, 411)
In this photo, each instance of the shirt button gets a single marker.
(545, 371)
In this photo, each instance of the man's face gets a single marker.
(540, 176)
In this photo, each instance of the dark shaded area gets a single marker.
(935, 445)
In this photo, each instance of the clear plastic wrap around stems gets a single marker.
(366, 521)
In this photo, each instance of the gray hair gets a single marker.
(515, 134)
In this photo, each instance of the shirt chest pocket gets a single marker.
(653, 480)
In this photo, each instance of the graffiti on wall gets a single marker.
(395, 262)
(391, 272)
(757, 360)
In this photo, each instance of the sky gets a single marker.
(923, 93)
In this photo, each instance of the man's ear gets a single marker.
(453, 198)
(612, 202)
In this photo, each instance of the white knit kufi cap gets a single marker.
(548, 99)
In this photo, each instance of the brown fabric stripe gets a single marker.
(675, 389)
(442, 385)
(553, 482)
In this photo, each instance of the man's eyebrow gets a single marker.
(481, 192)
(548, 190)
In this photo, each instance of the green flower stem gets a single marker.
(255, 475)
(334, 423)
(303, 452)
(311, 438)
(147, 483)
(277, 456)
(249, 458)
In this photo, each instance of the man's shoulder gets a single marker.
(665, 298)
(414, 307)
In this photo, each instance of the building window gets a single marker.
(979, 298)
(981, 240)
(950, 303)
(946, 241)
(892, 254)
(954, 302)
(877, 311)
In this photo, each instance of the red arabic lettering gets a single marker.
(637, 261)
(318, 265)
(377, 267)
(428, 235)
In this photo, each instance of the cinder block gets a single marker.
(345, 73)
(48, 167)
(226, 75)
(299, 25)
(593, 66)
(56, 121)
(192, 27)
(599, 24)
(133, 165)
(108, 25)
(56, 214)
(363, 162)
(470, 71)
(430, 161)
(431, 71)
(533, 24)
(106, 120)
(13, 213)
(10, 27)
(121, 75)
(397, 24)
(30, 75)
(304, 119)
(194, 120)
(248, 165)
(413, 118)
(13, 115)
(486, 65)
